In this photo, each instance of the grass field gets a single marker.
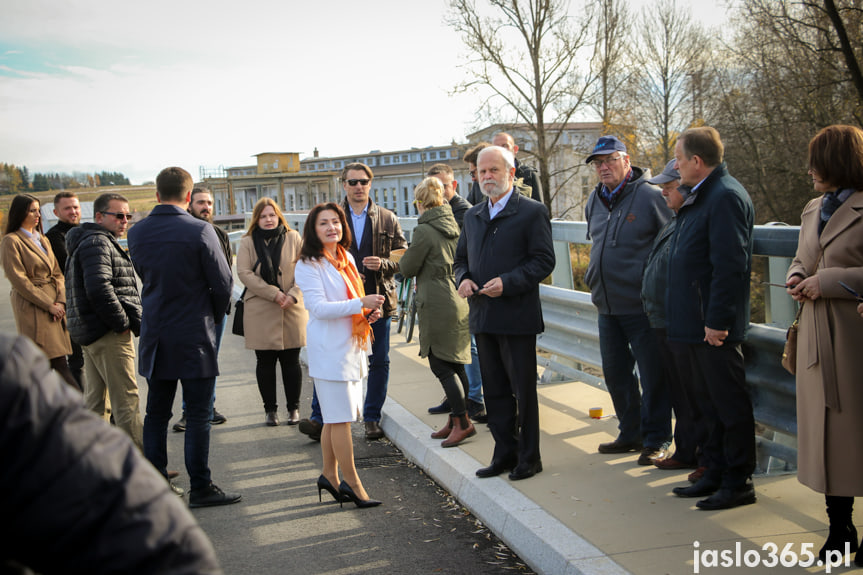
(141, 198)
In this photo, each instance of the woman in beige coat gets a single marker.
(829, 362)
(274, 318)
(38, 289)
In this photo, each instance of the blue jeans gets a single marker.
(625, 340)
(379, 375)
(474, 376)
(220, 331)
(198, 393)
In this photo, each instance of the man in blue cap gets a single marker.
(624, 214)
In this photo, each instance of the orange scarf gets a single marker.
(361, 330)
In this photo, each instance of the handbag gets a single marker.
(239, 305)
(239, 308)
(789, 352)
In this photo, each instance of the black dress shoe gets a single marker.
(651, 454)
(476, 411)
(211, 496)
(442, 408)
(496, 468)
(704, 487)
(373, 430)
(726, 498)
(525, 470)
(180, 425)
(618, 446)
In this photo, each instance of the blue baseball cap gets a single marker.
(606, 145)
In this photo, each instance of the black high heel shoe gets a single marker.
(349, 495)
(324, 483)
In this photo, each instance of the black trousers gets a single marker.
(718, 385)
(689, 430)
(292, 376)
(456, 391)
(508, 366)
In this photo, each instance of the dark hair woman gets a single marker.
(38, 287)
(443, 314)
(829, 363)
(274, 318)
(339, 341)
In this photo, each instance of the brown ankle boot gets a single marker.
(462, 429)
(443, 431)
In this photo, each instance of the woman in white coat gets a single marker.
(338, 341)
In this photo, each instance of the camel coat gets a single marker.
(267, 326)
(37, 283)
(829, 362)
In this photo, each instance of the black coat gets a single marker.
(77, 496)
(516, 246)
(186, 290)
(710, 260)
(57, 236)
(459, 207)
(101, 288)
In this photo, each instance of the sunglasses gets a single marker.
(363, 182)
(119, 216)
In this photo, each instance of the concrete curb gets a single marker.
(543, 542)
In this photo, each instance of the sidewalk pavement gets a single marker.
(589, 513)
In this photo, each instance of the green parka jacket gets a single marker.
(441, 312)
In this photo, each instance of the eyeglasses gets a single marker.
(363, 182)
(606, 161)
(119, 216)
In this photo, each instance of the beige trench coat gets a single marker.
(267, 326)
(829, 358)
(37, 283)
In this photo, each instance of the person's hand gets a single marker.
(806, 289)
(467, 288)
(284, 300)
(372, 263)
(860, 309)
(57, 311)
(374, 316)
(715, 337)
(493, 287)
(373, 301)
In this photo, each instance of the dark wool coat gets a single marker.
(515, 246)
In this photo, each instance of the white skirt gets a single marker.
(340, 401)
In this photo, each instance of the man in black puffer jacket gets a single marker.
(77, 497)
(104, 310)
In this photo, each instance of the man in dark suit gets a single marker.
(186, 290)
(504, 251)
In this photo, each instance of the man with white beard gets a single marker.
(504, 252)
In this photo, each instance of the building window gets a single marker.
(404, 157)
(386, 159)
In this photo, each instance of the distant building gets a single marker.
(297, 185)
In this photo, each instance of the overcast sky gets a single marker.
(133, 87)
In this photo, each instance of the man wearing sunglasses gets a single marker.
(375, 232)
(104, 311)
(624, 214)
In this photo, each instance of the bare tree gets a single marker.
(525, 56)
(787, 74)
(671, 53)
(611, 64)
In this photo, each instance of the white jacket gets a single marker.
(332, 352)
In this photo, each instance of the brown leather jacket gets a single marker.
(387, 236)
